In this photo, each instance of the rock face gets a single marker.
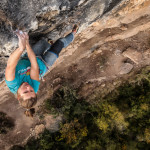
(90, 64)
(46, 18)
(49, 18)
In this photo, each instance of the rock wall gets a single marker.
(45, 18)
(108, 51)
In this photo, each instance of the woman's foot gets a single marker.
(50, 41)
(75, 29)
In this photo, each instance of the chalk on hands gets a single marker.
(20, 32)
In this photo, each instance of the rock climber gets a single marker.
(24, 70)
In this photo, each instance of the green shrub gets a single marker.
(73, 132)
(62, 101)
(120, 121)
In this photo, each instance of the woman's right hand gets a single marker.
(27, 38)
(22, 39)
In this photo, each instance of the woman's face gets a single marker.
(26, 91)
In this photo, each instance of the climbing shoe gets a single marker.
(75, 28)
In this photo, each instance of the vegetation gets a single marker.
(120, 121)
(6, 123)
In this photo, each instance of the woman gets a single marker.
(23, 72)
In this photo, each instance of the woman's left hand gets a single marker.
(22, 39)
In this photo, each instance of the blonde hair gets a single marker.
(28, 104)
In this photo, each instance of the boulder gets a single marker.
(125, 68)
(39, 129)
(52, 123)
(134, 55)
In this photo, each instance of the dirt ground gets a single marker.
(94, 59)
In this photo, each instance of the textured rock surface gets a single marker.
(92, 63)
(48, 18)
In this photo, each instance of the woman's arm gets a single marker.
(14, 57)
(34, 72)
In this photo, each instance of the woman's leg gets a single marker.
(52, 54)
(39, 48)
